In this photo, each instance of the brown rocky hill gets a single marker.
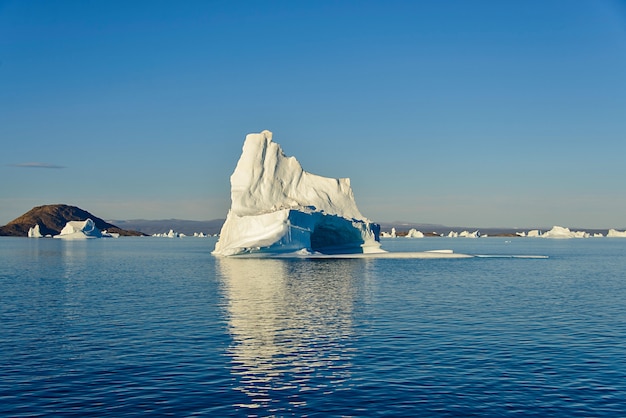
(52, 219)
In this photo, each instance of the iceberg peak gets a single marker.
(276, 206)
(265, 180)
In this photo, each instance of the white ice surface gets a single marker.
(414, 233)
(79, 230)
(34, 232)
(613, 233)
(560, 232)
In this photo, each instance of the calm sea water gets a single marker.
(147, 326)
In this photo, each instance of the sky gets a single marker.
(475, 113)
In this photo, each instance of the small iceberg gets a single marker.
(414, 233)
(75, 230)
(614, 233)
(559, 232)
(34, 232)
(467, 234)
(391, 234)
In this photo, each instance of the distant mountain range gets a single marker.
(52, 218)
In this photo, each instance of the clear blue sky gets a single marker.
(474, 113)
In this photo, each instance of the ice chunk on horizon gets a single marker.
(414, 233)
(614, 233)
(467, 234)
(276, 206)
(34, 232)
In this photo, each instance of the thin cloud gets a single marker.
(36, 165)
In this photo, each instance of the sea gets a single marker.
(159, 327)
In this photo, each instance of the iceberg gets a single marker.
(414, 233)
(391, 234)
(614, 233)
(277, 207)
(79, 230)
(467, 234)
(34, 232)
(560, 232)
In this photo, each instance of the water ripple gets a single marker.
(132, 327)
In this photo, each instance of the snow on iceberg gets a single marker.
(34, 232)
(79, 230)
(278, 207)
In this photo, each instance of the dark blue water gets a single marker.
(145, 326)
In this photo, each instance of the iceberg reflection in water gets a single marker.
(291, 323)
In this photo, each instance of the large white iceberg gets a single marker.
(278, 207)
(79, 230)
